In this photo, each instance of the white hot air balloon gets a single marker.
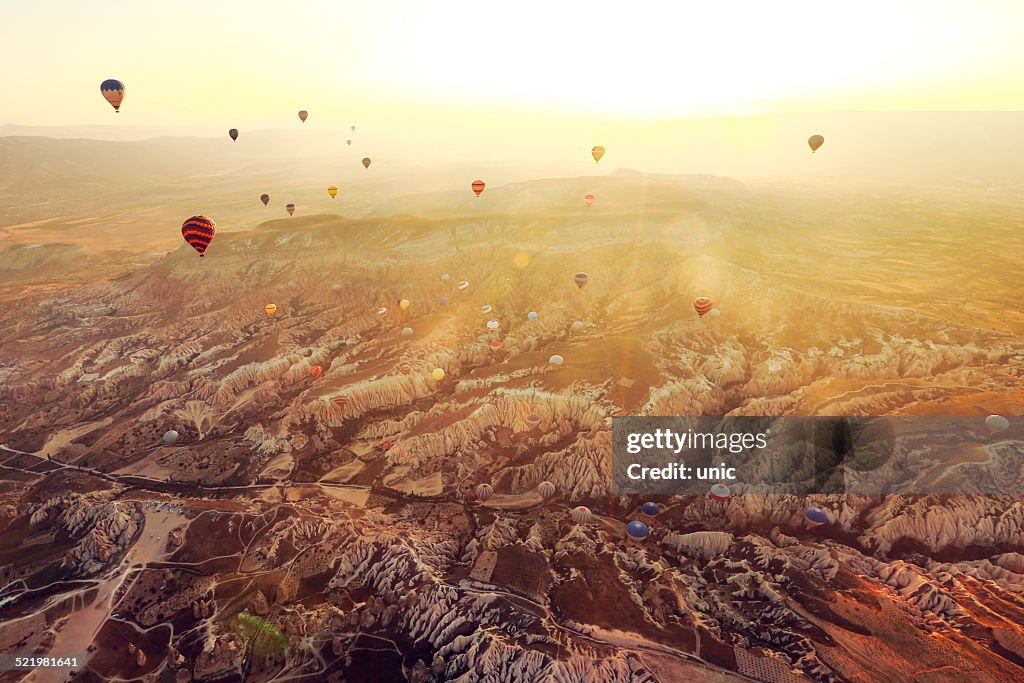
(581, 514)
(546, 490)
(483, 492)
(556, 360)
(170, 436)
(996, 424)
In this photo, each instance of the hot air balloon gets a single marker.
(478, 187)
(233, 133)
(170, 437)
(533, 419)
(303, 115)
(265, 198)
(493, 324)
(198, 231)
(650, 509)
(341, 401)
(714, 313)
(462, 286)
(556, 360)
(577, 327)
(581, 279)
(271, 309)
(532, 315)
(496, 344)
(815, 141)
(353, 129)
(316, 371)
(719, 492)
(588, 199)
(597, 153)
(404, 304)
(291, 209)
(702, 305)
(445, 277)
(486, 309)
(406, 331)
(333, 191)
(483, 492)
(406, 369)
(113, 91)
(637, 530)
(546, 490)
(382, 311)
(996, 423)
(815, 516)
(581, 514)
(366, 162)
(437, 374)
(336, 287)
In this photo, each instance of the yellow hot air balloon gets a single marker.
(333, 191)
(271, 309)
(597, 153)
(437, 374)
(404, 304)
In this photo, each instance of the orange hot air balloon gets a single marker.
(316, 371)
(303, 115)
(597, 153)
(495, 344)
(702, 305)
(478, 187)
(588, 199)
(815, 141)
(341, 401)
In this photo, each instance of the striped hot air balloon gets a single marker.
(333, 191)
(581, 514)
(546, 490)
(702, 305)
(462, 286)
(198, 231)
(597, 152)
(341, 401)
(478, 187)
(533, 419)
(588, 199)
(316, 371)
(113, 91)
(483, 492)
(719, 492)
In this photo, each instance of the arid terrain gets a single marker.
(327, 528)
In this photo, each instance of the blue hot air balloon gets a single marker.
(650, 509)
(637, 530)
(816, 516)
(532, 315)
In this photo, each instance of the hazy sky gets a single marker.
(256, 63)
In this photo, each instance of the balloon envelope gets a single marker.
(532, 315)
(303, 115)
(815, 141)
(533, 419)
(588, 199)
(581, 279)
(556, 360)
(714, 313)
(316, 371)
(445, 277)
(650, 509)
(271, 309)
(366, 162)
(113, 91)
(496, 344)
(719, 492)
(493, 324)
(702, 305)
(597, 152)
(404, 304)
(484, 491)
(198, 231)
(581, 514)
(996, 423)
(382, 311)
(333, 191)
(170, 436)
(406, 331)
(816, 515)
(265, 198)
(637, 530)
(291, 209)
(437, 374)
(478, 187)
(462, 286)
(233, 133)
(577, 327)
(546, 490)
